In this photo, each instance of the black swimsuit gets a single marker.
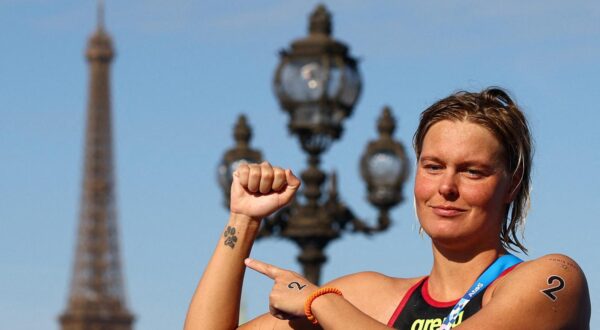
(418, 311)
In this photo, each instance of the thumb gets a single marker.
(293, 183)
(291, 179)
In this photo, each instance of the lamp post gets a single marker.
(318, 83)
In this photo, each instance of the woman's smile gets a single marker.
(447, 211)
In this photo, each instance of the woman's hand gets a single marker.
(258, 190)
(289, 292)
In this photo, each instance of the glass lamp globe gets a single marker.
(317, 82)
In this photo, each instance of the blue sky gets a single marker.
(186, 69)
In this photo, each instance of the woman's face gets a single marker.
(461, 186)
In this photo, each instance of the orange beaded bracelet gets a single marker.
(312, 297)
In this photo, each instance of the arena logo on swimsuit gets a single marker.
(433, 324)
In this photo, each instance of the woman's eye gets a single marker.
(432, 167)
(474, 173)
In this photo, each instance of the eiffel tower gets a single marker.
(97, 294)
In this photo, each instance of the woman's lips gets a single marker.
(447, 211)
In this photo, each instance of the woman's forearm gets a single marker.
(216, 302)
(257, 190)
(336, 313)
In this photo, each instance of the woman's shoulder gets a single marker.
(553, 259)
(374, 293)
(374, 278)
(551, 268)
(552, 287)
(369, 281)
(554, 264)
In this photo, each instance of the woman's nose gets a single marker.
(448, 188)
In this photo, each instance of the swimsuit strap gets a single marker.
(489, 275)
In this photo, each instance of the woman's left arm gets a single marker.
(290, 292)
(547, 293)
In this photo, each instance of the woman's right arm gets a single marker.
(256, 192)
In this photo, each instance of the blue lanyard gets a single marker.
(489, 275)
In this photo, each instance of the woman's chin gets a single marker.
(445, 230)
(448, 235)
(444, 237)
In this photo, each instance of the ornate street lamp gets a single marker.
(384, 167)
(317, 82)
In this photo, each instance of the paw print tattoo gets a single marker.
(230, 238)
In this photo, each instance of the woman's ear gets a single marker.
(515, 183)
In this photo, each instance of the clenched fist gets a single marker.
(258, 190)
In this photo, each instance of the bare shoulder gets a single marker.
(555, 262)
(559, 269)
(548, 292)
(375, 294)
(372, 283)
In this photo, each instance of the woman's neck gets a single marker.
(455, 271)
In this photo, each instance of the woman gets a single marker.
(471, 195)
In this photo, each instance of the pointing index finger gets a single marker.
(262, 267)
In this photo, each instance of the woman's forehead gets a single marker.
(461, 139)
